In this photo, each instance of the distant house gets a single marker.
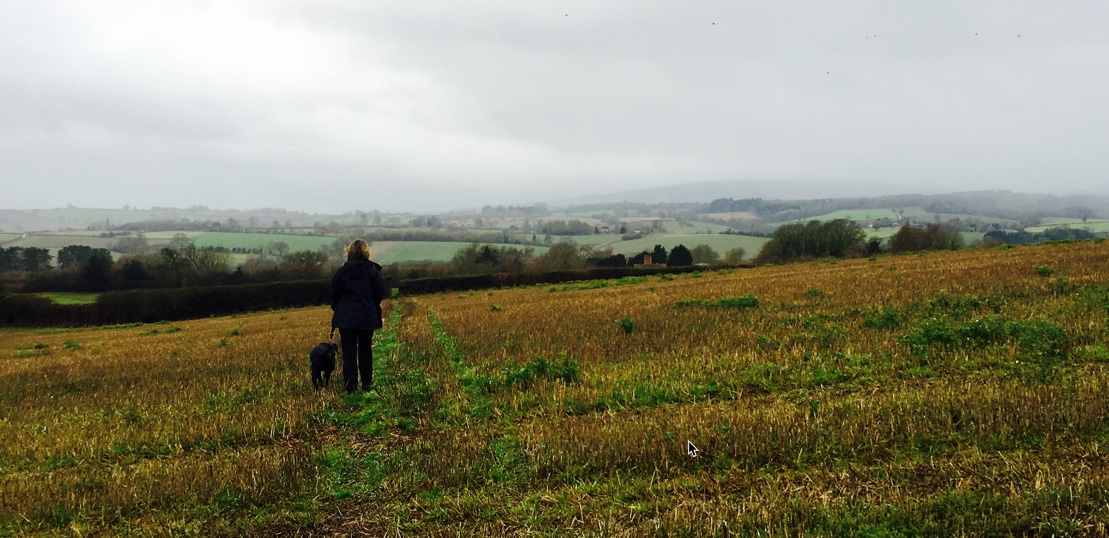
(648, 261)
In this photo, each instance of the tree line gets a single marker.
(1052, 234)
(842, 238)
(24, 259)
(181, 263)
(567, 256)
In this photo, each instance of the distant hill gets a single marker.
(78, 218)
(809, 199)
(705, 192)
(803, 199)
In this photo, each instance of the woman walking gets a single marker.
(356, 293)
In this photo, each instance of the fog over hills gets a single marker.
(703, 192)
(693, 197)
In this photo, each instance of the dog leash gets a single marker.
(332, 335)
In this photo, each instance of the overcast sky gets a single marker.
(333, 106)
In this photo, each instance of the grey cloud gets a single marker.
(446, 103)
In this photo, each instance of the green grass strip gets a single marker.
(475, 386)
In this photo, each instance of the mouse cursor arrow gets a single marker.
(690, 449)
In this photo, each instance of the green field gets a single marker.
(912, 214)
(166, 236)
(65, 297)
(971, 237)
(8, 237)
(919, 215)
(885, 233)
(1092, 225)
(386, 252)
(1049, 221)
(881, 233)
(592, 240)
(251, 240)
(383, 251)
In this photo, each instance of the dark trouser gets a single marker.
(358, 357)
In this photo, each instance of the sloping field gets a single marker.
(919, 215)
(853, 214)
(721, 243)
(58, 241)
(739, 215)
(593, 240)
(676, 227)
(386, 252)
(1092, 225)
(885, 233)
(955, 393)
(251, 240)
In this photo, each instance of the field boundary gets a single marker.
(148, 306)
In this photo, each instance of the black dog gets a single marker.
(323, 363)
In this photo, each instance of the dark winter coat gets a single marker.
(356, 293)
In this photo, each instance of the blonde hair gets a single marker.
(358, 250)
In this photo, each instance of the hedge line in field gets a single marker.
(509, 280)
(130, 306)
(148, 306)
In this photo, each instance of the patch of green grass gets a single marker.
(1092, 225)
(742, 301)
(888, 318)
(626, 324)
(600, 283)
(1045, 270)
(564, 370)
(339, 466)
(118, 326)
(38, 349)
(67, 298)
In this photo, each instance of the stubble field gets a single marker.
(947, 394)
